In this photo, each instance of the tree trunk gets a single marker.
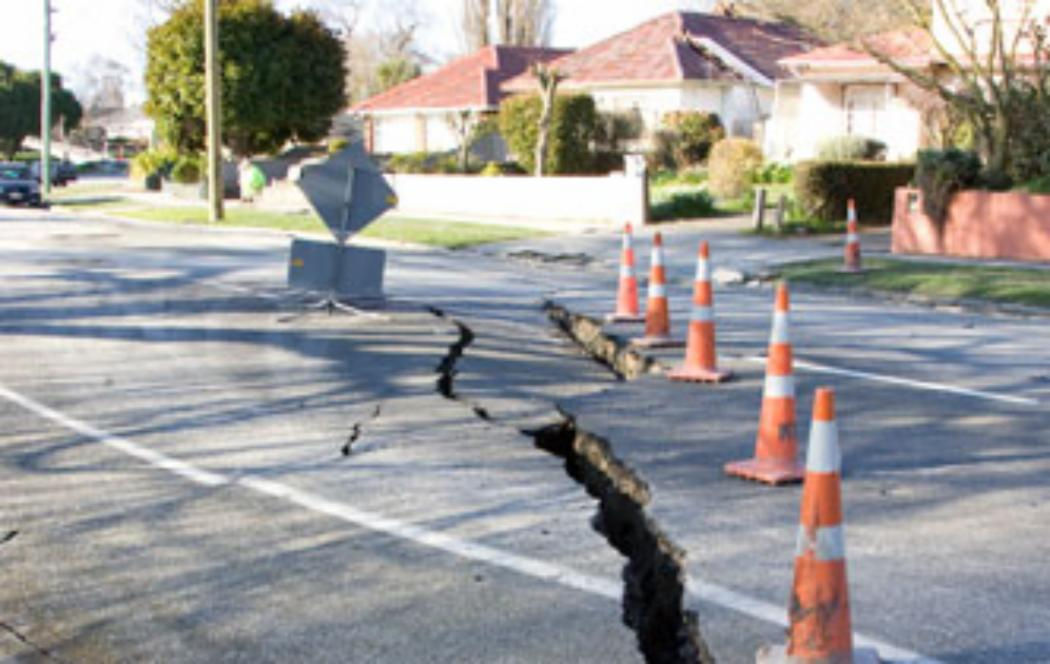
(548, 80)
(541, 139)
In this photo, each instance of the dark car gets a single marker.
(17, 185)
(67, 172)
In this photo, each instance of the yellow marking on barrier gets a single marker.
(297, 262)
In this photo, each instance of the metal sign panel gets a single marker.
(347, 191)
(354, 273)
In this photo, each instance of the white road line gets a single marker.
(697, 590)
(906, 382)
(124, 445)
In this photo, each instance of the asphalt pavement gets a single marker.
(201, 472)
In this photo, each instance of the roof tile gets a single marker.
(473, 81)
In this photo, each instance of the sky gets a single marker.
(115, 29)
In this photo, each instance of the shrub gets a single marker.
(615, 127)
(604, 162)
(775, 174)
(941, 173)
(1038, 185)
(187, 169)
(661, 158)
(732, 167)
(337, 144)
(850, 148)
(574, 123)
(694, 132)
(683, 205)
(823, 187)
(491, 169)
(159, 161)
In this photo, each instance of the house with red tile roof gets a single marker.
(420, 115)
(844, 90)
(711, 62)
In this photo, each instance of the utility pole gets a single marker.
(45, 108)
(213, 101)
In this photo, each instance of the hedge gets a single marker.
(574, 125)
(823, 187)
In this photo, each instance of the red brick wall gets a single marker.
(980, 224)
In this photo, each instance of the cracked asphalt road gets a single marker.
(186, 344)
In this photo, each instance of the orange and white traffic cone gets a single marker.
(700, 361)
(776, 447)
(851, 254)
(657, 312)
(627, 292)
(819, 629)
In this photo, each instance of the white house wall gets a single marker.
(819, 117)
(808, 113)
(781, 139)
(440, 135)
(739, 106)
(652, 103)
(395, 134)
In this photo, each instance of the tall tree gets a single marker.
(20, 107)
(831, 20)
(382, 54)
(547, 78)
(476, 29)
(517, 22)
(524, 22)
(283, 76)
(395, 71)
(994, 70)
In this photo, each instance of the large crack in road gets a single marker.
(654, 574)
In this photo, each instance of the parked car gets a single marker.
(62, 172)
(17, 185)
(67, 172)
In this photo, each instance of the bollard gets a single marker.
(781, 212)
(759, 213)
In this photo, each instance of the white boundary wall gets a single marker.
(613, 199)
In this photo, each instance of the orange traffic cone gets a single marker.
(819, 629)
(657, 313)
(776, 447)
(700, 361)
(627, 293)
(851, 254)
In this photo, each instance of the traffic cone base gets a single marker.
(778, 655)
(776, 447)
(769, 471)
(699, 375)
(657, 342)
(624, 318)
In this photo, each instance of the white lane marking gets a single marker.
(907, 382)
(711, 593)
(603, 587)
(192, 473)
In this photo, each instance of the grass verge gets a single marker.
(436, 233)
(941, 281)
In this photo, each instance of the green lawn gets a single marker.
(935, 280)
(447, 234)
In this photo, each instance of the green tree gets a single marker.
(573, 129)
(994, 72)
(20, 107)
(282, 76)
(396, 71)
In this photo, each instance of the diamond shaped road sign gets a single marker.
(347, 191)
